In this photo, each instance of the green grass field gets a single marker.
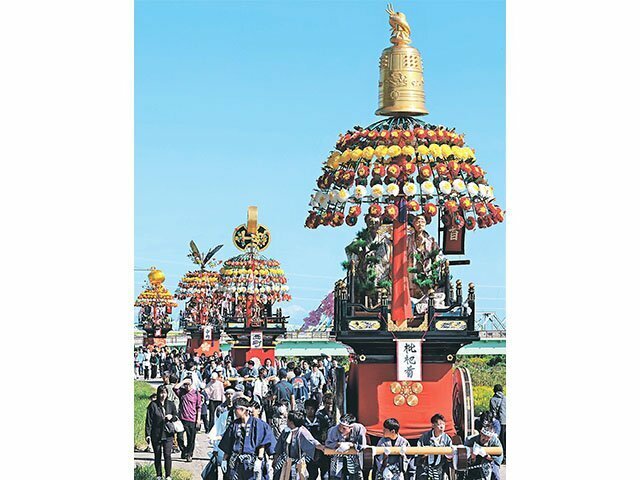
(141, 392)
(147, 472)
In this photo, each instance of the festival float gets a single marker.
(155, 303)
(201, 318)
(398, 307)
(251, 285)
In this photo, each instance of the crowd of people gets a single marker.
(277, 421)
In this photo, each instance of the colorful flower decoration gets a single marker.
(403, 158)
(393, 189)
(375, 210)
(256, 275)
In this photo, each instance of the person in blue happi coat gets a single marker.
(245, 444)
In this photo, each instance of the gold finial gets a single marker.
(156, 277)
(252, 220)
(400, 29)
(251, 234)
(401, 85)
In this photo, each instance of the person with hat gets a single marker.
(481, 464)
(433, 467)
(245, 444)
(345, 435)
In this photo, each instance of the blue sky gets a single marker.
(238, 104)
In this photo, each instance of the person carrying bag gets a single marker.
(160, 429)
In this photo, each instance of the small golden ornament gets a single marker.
(396, 387)
(398, 400)
(412, 400)
(156, 277)
(416, 388)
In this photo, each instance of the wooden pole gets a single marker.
(412, 450)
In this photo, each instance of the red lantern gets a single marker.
(454, 168)
(354, 210)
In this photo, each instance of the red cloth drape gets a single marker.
(400, 297)
(371, 383)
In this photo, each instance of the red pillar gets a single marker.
(400, 297)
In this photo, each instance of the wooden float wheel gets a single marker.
(463, 414)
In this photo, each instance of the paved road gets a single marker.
(200, 457)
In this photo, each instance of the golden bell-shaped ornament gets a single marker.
(156, 277)
(401, 85)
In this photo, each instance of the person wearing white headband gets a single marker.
(481, 464)
(345, 435)
(433, 467)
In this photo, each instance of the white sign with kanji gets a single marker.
(256, 339)
(208, 333)
(409, 360)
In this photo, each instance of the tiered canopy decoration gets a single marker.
(250, 282)
(200, 287)
(428, 166)
(254, 275)
(156, 304)
(156, 294)
(197, 283)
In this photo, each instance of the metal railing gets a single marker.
(301, 335)
(493, 333)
